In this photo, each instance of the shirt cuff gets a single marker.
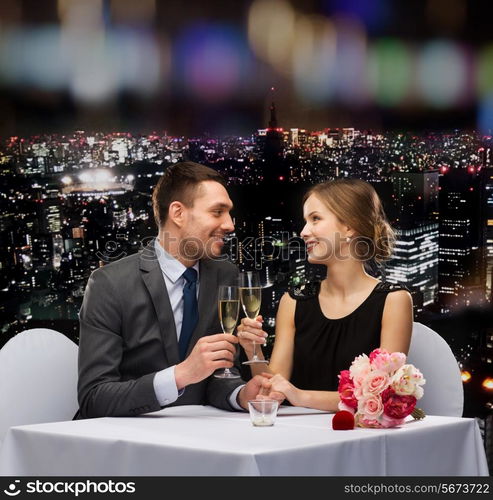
(165, 386)
(232, 398)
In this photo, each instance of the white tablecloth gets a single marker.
(199, 440)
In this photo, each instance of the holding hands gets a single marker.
(264, 385)
(277, 387)
(271, 386)
(256, 388)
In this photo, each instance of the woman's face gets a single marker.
(323, 232)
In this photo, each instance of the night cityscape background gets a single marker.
(99, 97)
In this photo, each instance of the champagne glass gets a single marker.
(251, 299)
(229, 307)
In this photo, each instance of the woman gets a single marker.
(321, 328)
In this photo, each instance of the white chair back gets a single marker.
(38, 379)
(443, 391)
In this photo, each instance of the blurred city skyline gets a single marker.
(154, 65)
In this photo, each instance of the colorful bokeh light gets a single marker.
(390, 71)
(211, 60)
(442, 75)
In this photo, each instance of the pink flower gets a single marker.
(344, 377)
(381, 359)
(358, 392)
(377, 353)
(387, 422)
(370, 406)
(359, 380)
(346, 390)
(398, 406)
(363, 421)
(397, 359)
(375, 382)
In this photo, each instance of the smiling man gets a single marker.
(149, 324)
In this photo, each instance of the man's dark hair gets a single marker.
(180, 183)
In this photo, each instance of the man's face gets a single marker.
(206, 222)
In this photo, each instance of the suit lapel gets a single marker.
(207, 300)
(154, 282)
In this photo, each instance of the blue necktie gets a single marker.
(190, 310)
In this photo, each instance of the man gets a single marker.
(149, 323)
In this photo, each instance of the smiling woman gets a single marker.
(322, 328)
(354, 225)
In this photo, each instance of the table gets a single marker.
(201, 440)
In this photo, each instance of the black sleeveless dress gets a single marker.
(322, 346)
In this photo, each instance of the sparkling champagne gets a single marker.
(251, 299)
(228, 314)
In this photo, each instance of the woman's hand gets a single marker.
(250, 331)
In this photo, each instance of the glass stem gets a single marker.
(254, 350)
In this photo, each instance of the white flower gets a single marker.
(359, 368)
(407, 381)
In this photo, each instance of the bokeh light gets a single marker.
(31, 57)
(488, 384)
(93, 75)
(442, 74)
(351, 60)
(314, 58)
(141, 65)
(390, 71)
(211, 59)
(272, 29)
(484, 71)
(43, 65)
(87, 15)
(485, 114)
(82, 56)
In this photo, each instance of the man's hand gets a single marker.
(209, 354)
(255, 389)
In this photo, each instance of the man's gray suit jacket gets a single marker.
(127, 334)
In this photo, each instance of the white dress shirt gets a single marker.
(164, 381)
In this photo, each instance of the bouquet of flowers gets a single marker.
(381, 390)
